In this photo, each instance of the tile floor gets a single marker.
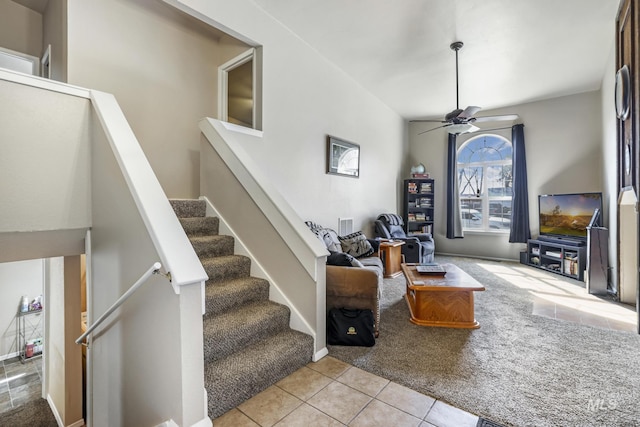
(332, 393)
(19, 382)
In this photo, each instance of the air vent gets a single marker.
(345, 226)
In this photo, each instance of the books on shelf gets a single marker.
(426, 187)
(411, 217)
(420, 216)
(571, 266)
(422, 230)
(424, 202)
(420, 175)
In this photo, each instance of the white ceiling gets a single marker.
(515, 51)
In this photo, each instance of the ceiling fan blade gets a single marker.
(452, 115)
(505, 117)
(429, 130)
(469, 112)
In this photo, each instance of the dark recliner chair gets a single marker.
(418, 248)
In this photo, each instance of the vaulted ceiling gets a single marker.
(515, 51)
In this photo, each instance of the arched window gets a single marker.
(485, 181)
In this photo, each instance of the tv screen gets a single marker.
(567, 215)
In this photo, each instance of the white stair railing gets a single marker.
(154, 269)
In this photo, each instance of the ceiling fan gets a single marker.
(462, 121)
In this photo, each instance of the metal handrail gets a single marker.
(155, 269)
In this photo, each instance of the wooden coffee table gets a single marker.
(444, 301)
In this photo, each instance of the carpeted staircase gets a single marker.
(248, 345)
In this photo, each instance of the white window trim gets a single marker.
(254, 54)
(45, 63)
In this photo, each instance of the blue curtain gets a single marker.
(454, 219)
(520, 231)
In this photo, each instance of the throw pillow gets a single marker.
(331, 240)
(356, 244)
(313, 226)
(326, 235)
(342, 259)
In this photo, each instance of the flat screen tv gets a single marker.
(568, 215)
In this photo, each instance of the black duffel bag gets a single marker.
(347, 326)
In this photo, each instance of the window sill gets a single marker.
(486, 233)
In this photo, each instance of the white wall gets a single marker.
(44, 167)
(160, 70)
(16, 279)
(20, 28)
(306, 98)
(564, 155)
(44, 171)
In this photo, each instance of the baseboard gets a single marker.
(320, 354)
(488, 258)
(169, 423)
(78, 423)
(54, 410)
(9, 356)
(205, 422)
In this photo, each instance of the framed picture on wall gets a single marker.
(343, 157)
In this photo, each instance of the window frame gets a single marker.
(485, 198)
(254, 55)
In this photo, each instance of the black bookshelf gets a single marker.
(419, 203)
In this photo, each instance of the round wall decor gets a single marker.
(622, 92)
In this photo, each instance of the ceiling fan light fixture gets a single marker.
(462, 128)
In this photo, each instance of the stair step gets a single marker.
(227, 267)
(248, 344)
(200, 226)
(186, 208)
(212, 246)
(228, 294)
(255, 368)
(233, 330)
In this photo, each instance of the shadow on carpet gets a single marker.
(518, 369)
(32, 414)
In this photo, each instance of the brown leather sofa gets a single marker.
(358, 286)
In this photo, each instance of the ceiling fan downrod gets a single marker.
(456, 46)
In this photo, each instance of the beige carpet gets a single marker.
(35, 413)
(518, 369)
